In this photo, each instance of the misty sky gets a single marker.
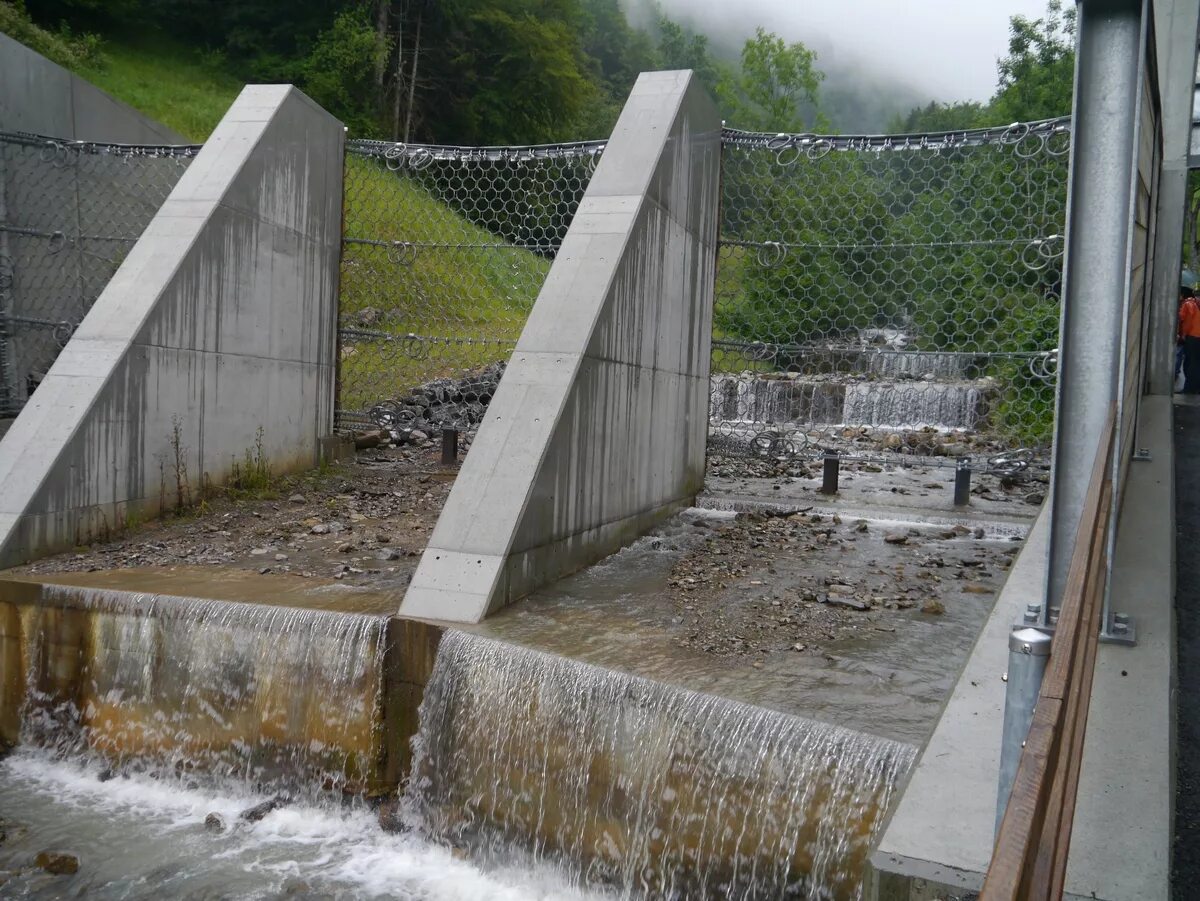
(946, 49)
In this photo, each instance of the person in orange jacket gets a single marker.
(1189, 339)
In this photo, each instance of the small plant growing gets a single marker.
(252, 475)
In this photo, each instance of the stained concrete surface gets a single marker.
(597, 430)
(214, 339)
(1185, 870)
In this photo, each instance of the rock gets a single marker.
(798, 647)
(346, 548)
(279, 558)
(258, 551)
(1035, 498)
(390, 819)
(364, 440)
(418, 435)
(214, 822)
(297, 499)
(336, 527)
(979, 533)
(849, 603)
(893, 441)
(934, 608)
(896, 538)
(258, 811)
(388, 553)
(975, 588)
(60, 863)
(293, 887)
(320, 529)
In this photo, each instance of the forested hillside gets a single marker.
(487, 71)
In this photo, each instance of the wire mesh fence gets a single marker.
(445, 251)
(889, 295)
(69, 213)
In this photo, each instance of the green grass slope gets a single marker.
(167, 81)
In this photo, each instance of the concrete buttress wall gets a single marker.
(597, 430)
(41, 97)
(219, 322)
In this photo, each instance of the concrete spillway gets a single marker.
(651, 789)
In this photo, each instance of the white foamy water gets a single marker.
(142, 838)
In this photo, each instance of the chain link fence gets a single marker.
(445, 251)
(69, 213)
(889, 297)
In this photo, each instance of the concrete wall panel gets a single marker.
(41, 97)
(219, 323)
(597, 430)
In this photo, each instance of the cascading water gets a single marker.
(647, 788)
(264, 695)
(913, 405)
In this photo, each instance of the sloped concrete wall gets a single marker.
(597, 430)
(219, 323)
(43, 98)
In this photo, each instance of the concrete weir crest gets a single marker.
(597, 430)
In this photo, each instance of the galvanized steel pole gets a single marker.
(1096, 264)
(1028, 651)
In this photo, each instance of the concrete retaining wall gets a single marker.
(219, 323)
(597, 430)
(43, 98)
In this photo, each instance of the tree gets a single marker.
(775, 81)
(1036, 78)
(340, 70)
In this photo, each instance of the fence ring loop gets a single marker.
(415, 347)
(771, 254)
(1014, 133)
(51, 152)
(58, 240)
(394, 154)
(62, 333)
(818, 149)
(1044, 366)
(779, 142)
(402, 252)
(1033, 142)
(1058, 142)
(782, 158)
(594, 159)
(421, 158)
(1050, 248)
(1011, 462)
(1033, 256)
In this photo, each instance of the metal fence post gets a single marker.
(962, 484)
(1028, 651)
(449, 447)
(1096, 266)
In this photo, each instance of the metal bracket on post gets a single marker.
(1032, 619)
(1119, 628)
(1142, 455)
(1028, 652)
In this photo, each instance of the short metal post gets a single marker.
(829, 475)
(449, 447)
(1028, 651)
(962, 484)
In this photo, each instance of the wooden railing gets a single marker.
(1030, 858)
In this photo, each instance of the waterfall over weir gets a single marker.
(655, 790)
(272, 697)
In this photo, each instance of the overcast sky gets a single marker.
(945, 48)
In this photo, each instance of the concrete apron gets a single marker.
(939, 841)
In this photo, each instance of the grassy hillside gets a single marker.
(167, 81)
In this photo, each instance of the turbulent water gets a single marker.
(646, 788)
(260, 694)
(143, 839)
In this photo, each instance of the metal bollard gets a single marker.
(829, 475)
(1028, 651)
(962, 484)
(449, 447)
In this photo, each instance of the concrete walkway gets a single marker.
(1185, 874)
